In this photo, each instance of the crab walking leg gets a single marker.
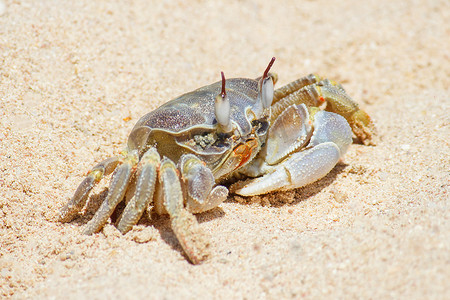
(184, 224)
(294, 86)
(117, 189)
(145, 187)
(337, 101)
(307, 95)
(78, 200)
(199, 185)
(330, 140)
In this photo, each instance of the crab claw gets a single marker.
(330, 140)
(222, 108)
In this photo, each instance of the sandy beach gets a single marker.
(75, 76)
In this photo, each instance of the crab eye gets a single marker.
(222, 108)
(267, 92)
(266, 86)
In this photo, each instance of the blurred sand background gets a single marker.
(76, 75)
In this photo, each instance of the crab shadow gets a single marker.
(294, 196)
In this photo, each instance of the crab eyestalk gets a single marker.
(222, 108)
(266, 89)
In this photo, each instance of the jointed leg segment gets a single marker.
(78, 200)
(184, 224)
(145, 187)
(294, 86)
(313, 91)
(117, 189)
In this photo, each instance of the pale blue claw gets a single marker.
(330, 140)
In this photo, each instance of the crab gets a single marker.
(180, 157)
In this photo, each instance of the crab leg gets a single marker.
(145, 187)
(184, 224)
(78, 200)
(117, 189)
(307, 95)
(294, 86)
(337, 101)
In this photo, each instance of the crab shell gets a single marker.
(188, 124)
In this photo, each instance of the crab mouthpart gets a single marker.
(245, 151)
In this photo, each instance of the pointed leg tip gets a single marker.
(364, 128)
(193, 240)
(124, 228)
(66, 214)
(93, 226)
(87, 230)
(198, 260)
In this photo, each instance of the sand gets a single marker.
(76, 75)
